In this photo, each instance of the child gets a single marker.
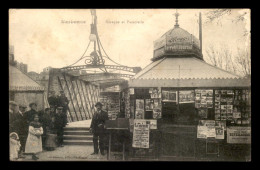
(14, 146)
(34, 140)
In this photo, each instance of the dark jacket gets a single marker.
(30, 115)
(98, 119)
(60, 121)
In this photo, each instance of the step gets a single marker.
(77, 137)
(77, 142)
(76, 128)
(77, 133)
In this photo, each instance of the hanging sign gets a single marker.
(141, 134)
(239, 135)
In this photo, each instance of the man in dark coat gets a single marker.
(30, 114)
(59, 123)
(63, 102)
(98, 130)
(22, 127)
(53, 99)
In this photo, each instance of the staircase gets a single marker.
(77, 136)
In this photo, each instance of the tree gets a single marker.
(222, 57)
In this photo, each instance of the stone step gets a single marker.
(77, 137)
(76, 128)
(77, 133)
(77, 142)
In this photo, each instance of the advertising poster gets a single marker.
(141, 134)
(239, 135)
(131, 91)
(139, 109)
(149, 105)
(157, 113)
(152, 123)
(206, 129)
(170, 96)
(220, 129)
(186, 96)
(155, 92)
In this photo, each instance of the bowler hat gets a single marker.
(98, 103)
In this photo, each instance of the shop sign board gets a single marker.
(239, 135)
(141, 134)
(206, 129)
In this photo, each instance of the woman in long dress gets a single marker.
(34, 140)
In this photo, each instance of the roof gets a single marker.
(185, 72)
(19, 81)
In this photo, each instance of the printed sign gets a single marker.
(139, 109)
(220, 128)
(170, 96)
(239, 135)
(141, 134)
(131, 91)
(206, 129)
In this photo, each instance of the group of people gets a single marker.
(32, 131)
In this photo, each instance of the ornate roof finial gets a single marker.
(176, 15)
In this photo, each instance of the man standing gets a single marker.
(53, 100)
(30, 114)
(22, 127)
(63, 102)
(59, 123)
(98, 130)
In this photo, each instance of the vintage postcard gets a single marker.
(130, 84)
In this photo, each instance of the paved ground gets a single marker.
(72, 152)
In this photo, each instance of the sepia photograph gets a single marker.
(130, 84)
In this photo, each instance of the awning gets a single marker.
(186, 72)
(19, 81)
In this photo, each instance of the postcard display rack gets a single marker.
(144, 128)
(111, 103)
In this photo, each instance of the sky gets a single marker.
(41, 38)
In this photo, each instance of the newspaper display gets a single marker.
(141, 134)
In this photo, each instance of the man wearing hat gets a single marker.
(59, 123)
(97, 128)
(22, 127)
(30, 114)
(13, 109)
(63, 102)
